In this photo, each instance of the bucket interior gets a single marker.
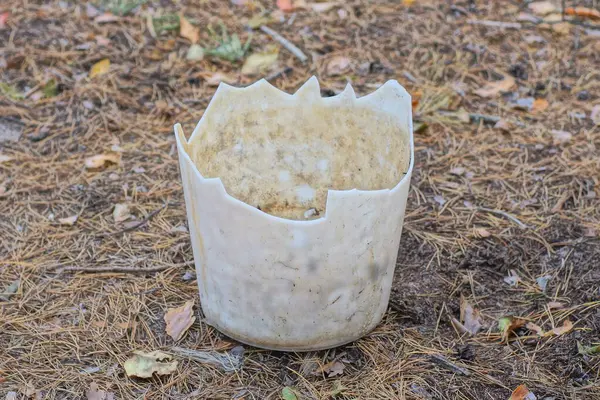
(284, 158)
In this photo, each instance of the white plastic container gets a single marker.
(317, 278)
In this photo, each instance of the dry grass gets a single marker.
(80, 309)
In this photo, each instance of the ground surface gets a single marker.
(79, 311)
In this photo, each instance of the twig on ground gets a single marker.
(505, 215)
(496, 24)
(277, 74)
(285, 43)
(135, 270)
(444, 362)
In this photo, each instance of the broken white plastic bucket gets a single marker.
(295, 206)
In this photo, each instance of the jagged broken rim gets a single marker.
(390, 98)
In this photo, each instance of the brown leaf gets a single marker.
(69, 221)
(187, 30)
(179, 320)
(121, 213)
(338, 65)
(542, 7)
(285, 5)
(101, 160)
(539, 105)
(535, 328)
(470, 317)
(332, 368)
(522, 393)
(143, 365)
(508, 325)
(100, 68)
(504, 125)
(561, 330)
(583, 12)
(494, 88)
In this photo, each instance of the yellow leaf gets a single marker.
(143, 365)
(179, 320)
(259, 62)
(187, 30)
(101, 160)
(522, 393)
(408, 3)
(494, 88)
(100, 68)
(539, 105)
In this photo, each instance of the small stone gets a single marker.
(584, 95)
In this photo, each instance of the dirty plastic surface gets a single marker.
(313, 267)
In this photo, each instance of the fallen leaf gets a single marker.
(106, 18)
(259, 62)
(323, 7)
(216, 78)
(337, 65)
(5, 158)
(587, 350)
(287, 393)
(180, 319)
(121, 212)
(595, 114)
(561, 330)
(470, 317)
(507, 326)
(10, 131)
(101, 160)
(3, 19)
(94, 393)
(285, 5)
(187, 30)
(143, 365)
(542, 7)
(259, 19)
(522, 393)
(513, 279)
(539, 105)
(535, 328)
(100, 68)
(494, 88)
(583, 12)
(561, 136)
(50, 89)
(332, 368)
(542, 281)
(195, 53)
(555, 305)
(11, 396)
(407, 3)
(70, 221)
(482, 232)
(457, 171)
(10, 91)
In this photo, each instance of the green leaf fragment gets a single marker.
(287, 393)
(588, 350)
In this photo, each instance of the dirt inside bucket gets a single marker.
(284, 160)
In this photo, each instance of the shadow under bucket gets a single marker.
(295, 206)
